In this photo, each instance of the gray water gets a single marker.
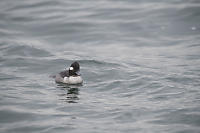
(140, 61)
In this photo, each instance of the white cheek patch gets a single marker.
(71, 68)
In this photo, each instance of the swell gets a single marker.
(24, 51)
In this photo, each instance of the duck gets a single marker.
(70, 76)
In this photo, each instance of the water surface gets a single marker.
(140, 61)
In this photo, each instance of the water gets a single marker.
(140, 61)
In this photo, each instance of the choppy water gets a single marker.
(140, 61)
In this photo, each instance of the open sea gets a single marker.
(140, 62)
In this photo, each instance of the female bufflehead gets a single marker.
(70, 76)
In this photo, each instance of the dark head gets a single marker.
(74, 69)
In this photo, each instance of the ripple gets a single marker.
(25, 51)
(139, 62)
(178, 117)
(14, 116)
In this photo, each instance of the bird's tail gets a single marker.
(52, 76)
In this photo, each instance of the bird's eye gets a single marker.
(71, 68)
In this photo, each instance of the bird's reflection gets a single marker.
(70, 93)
